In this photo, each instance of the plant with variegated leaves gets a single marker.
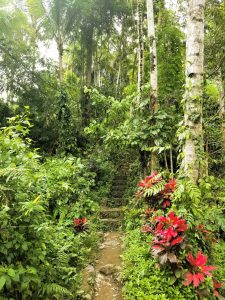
(168, 236)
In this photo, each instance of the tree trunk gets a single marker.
(140, 48)
(222, 108)
(153, 95)
(193, 147)
(153, 57)
(89, 58)
(118, 80)
(60, 57)
(171, 160)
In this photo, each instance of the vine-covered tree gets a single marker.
(193, 147)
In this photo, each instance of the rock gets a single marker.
(88, 282)
(108, 269)
(90, 269)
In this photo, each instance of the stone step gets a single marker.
(120, 179)
(115, 202)
(111, 224)
(116, 194)
(119, 187)
(111, 213)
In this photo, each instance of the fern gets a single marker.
(53, 289)
(12, 173)
(62, 258)
(188, 192)
(155, 189)
(193, 192)
(3, 193)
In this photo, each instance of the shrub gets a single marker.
(41, 255)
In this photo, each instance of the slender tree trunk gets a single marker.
(153, 57)
(96, 66)
(222, 108)
(82, 64)
(222, 98)
(193, 147)
(171, 160)
(207, 157)
(140, 48)
(34, 48)
(60, 57)
(89, 58)
(165, 160)
(118, 80)
(153, 95)
(133, 79)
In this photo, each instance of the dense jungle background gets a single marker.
(93, 90)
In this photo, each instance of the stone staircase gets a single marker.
(111, 214)
(102, 280)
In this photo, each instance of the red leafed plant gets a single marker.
(80, 224)
(149, 181)
(199, 269)
(168, 235)
(169, 189)
(158, 196)
(149, 212)
(217, 285)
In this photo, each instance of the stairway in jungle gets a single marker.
(108, 266)
(111, 214)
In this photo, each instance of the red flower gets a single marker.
(199, 269)
(80, 224)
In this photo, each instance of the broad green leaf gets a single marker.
(2, 282)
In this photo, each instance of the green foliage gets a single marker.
(118, 125)
(170, 50)
(41, 256)
(213, 128)
(188, 196)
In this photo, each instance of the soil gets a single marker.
(108, 267)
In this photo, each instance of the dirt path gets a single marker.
(108, 267)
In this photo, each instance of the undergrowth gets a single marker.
(41, 252)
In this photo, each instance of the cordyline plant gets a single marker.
(169, 189)
(155, 191)
(80, 224)
(217, 285)
(168, 236)
(168, 232)
(198, 269)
